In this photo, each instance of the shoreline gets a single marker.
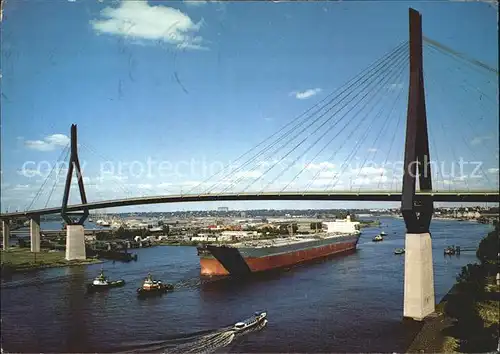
(20, 260)
(430, 338)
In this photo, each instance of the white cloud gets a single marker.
(195, 2)
(269, 163)
(361, 181)
(319, 166)
(19, 187)
(396, 86)
(302, 95)
(379, 179)
(448, 182)
(164, 185)
(57, 139)
(28, 172)
(479, 139)
(49, 143)
(328, 174)
(372, 150)
(74, 181)
(493, 170)
(322, 182)
(364, 171)
(137, 19)
(248, 174)
(110, 177)
(190, 183)
(144, 186)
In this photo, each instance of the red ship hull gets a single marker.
(210, 266)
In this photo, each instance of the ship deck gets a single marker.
(286, 241)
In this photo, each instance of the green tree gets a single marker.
(488, 249)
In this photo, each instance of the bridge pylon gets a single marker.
(419, 299)
(75, 239)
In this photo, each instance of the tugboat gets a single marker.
(102, 283)
(378, 238)
(452, 250)
(399, 251)
(449, 251)
(258, 318)
(153, 287)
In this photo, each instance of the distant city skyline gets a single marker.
(184, 88)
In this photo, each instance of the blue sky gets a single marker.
(195, 84)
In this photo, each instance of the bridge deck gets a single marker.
(476, 196)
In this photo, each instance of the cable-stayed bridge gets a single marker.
(388, 134)
(454, 196)
(348, 146)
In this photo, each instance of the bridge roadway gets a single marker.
(475, 196)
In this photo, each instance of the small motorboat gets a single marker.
(452, 250)
(399, 251)
(257, 319)
(102, 283)
(383, 234)
(378, 238)
(449, 251)
(153, 287)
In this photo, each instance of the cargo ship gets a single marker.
(252, 256)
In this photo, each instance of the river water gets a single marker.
(349, 303)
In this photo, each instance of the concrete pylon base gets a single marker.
(35, 234)
(75, 242)
(419, 300)
(5, 234)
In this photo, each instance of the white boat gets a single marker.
(253, 321)
(101, 283)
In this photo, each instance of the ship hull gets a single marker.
(231, 261)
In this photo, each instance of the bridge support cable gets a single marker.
(470, 128)
(467, 107)
(435, 151)
(117, 181)
(465, 139)
(358, 125)
(56, 179)
(371, 84)
(356, 148)
(434, 52)
(356, 114)
(38, 194)
(457, 55)
(382, 130)
(344, 88)
(382, 175)
(360, 79)
(370, 90)
(303, 130)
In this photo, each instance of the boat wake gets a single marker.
(205, 342)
